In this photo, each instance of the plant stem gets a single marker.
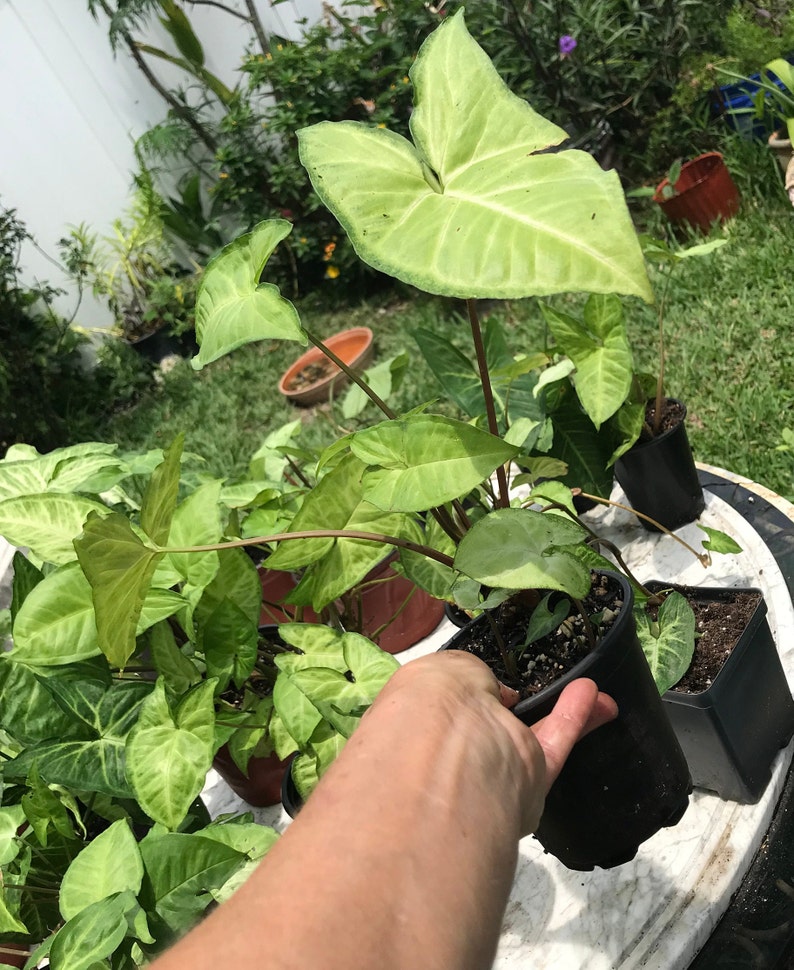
(321, 534)
(508, 658)
(256, 23)
(704, 558)
(384, 626)
(657, 418)
(621, 562)
(503, 498)
(351, 374)
(588, 626)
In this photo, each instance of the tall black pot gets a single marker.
(624, 781)
(660, 479)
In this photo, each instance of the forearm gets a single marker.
(403, 858)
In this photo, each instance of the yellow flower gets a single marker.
(223, 175)
(268, 57)
(303, 239)
(381, 124)
(405, 79)
(279, 47)
(332, 272)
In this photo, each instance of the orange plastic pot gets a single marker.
(704, 193)
(353, 346)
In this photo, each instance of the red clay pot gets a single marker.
(262, 787)
(705, 193)
(379, 602)
(353, 346)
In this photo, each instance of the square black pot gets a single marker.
(731, 732)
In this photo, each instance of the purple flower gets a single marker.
(567, 44)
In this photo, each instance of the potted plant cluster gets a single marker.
(164, 583)
(445, 213)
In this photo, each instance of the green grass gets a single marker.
(730, 338)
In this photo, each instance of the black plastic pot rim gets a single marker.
(639, 445)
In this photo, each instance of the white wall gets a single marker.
(69, 113)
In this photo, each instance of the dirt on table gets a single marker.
(718, 626)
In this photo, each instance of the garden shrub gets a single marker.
(49, 394)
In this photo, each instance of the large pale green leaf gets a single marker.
(110, 864)
(472, 209)
(183, 872)
(9, 922)
(248, 837)
(519, 549)
(119, 568)
(599, 347)
(47, 524)
(232, 307)
(159, 500)
(669, 641)
(56, 624)
(169, 754)
(425, 460)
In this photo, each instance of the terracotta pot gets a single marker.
(262, 787)
(731, 732)
(623, 782)
(353, 346)
(705, 193)
(276, 586)
(378, 603)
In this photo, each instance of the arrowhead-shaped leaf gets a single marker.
(232, 307)
(119, 568)
(668, 642)
(425, 460)
(517, 549)
(170, 753)
(472, 208)
(599, 347)
(110, 864)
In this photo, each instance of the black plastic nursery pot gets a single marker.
(732, 732)
(660, 479)
(624, 781)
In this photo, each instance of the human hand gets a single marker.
(475, 702)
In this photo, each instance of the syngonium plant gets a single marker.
(473, 207)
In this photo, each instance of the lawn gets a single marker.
(730, 336)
